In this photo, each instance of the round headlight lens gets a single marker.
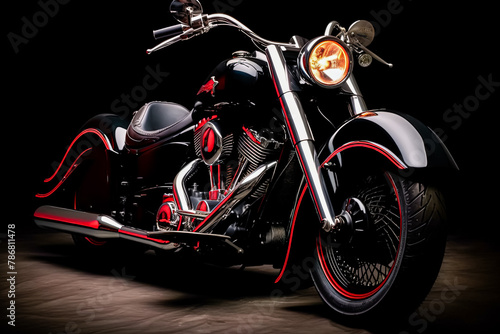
(325, 61)
(329, 63)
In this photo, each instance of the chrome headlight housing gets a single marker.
(325, 61)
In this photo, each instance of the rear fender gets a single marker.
(89, 156)
(112, 126)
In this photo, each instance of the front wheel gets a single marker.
(386, 257)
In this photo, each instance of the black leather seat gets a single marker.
(157, 120)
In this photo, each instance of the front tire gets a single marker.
(386, 263)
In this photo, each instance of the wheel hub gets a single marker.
(353, 221)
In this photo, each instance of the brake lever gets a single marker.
(353, 40)
(371, 53)
(164, 44)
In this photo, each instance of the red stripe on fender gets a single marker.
(367, 144)
(68, 173)
(316, 203)
(84, 132)
(291, 235)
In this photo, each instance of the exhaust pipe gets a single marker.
(72, 221)
(242, 190)
(93, 225)
(105, 227)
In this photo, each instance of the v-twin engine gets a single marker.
(229, 163)
(232, 158)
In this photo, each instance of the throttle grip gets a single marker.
(168, 31)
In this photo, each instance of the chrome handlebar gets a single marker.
(223, 19)
(203, 23)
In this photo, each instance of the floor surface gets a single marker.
(58, 291)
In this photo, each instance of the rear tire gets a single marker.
(388, 266)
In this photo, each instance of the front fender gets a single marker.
(403, 140)
(372, 139)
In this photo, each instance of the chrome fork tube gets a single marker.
(358, 104)
(301, 136)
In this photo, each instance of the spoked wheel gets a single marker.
(387, 253)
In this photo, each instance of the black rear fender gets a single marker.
(112, 126)
(85, 170)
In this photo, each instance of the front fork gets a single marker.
(302, 137)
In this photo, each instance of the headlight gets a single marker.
(325, 61)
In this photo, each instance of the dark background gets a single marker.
(89, 53)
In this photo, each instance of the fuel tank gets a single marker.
(244, 77)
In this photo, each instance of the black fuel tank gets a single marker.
(243, 77)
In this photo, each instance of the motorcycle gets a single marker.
(265, 169)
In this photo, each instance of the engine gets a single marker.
(229, 157)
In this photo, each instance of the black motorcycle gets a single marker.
(265, 169)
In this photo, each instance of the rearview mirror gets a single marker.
(363, 31)
(184, 10)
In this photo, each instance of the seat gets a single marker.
(156, 120)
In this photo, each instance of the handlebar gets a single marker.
(201, 24)
(204, 24)
(168, 31)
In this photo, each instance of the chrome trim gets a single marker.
(109, 222)
(242, 166)
(242, 190)
(305, 53)
(75, 229)
(329, 28)
(277, 67)
(301, 134)
(296, 118)
(365, 49)
(317, 187)
(196, 214)
(358, 104)
(218, 144)
(203, 23)
(184, 10)
(223, 19)
(174, 217)
(180, 192)
(166, 43)
(74, 221)
(120, 136)
(293, 110)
